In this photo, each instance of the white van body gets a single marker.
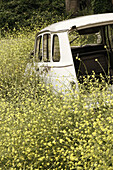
(57, 61)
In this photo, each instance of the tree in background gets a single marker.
(72, 6)
(27, 13)
(84, 7)
(78, 7)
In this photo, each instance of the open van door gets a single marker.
(92, 50)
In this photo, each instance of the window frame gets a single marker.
(55, 35)
(83, 37)
(38, 47)
(47, 52)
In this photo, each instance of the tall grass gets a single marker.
(43, 130)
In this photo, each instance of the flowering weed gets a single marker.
(42, 130)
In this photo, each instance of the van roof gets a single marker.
(81, 23)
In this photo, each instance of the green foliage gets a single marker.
(16, 14)
(101, 6)
(42, 130)
(88, 7)
(20, 13)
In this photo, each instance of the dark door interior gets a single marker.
(95, 52)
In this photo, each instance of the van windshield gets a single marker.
(85, 37)
(92, 50)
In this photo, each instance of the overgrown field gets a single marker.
(42, 130)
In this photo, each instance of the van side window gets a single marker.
(56, 49)
(39, 49)
(46, 47)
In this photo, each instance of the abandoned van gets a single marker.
(67, 50)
